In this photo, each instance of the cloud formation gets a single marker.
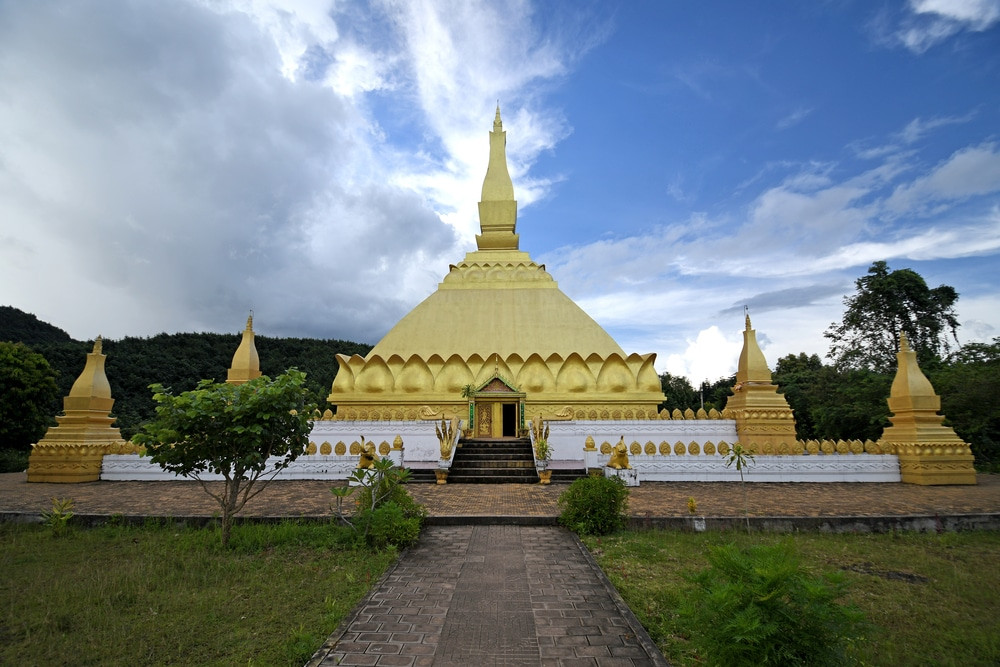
(933, 21)
(168, 166)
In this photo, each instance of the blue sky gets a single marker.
(168, 166)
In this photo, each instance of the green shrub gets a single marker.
(393, 490)
(13, 460)
(594, 505)
(57, 519)
(756, 606)
(388, 526)
(386, 513)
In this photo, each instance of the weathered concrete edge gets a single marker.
(647, 643)
(921, 523)
(925, 523)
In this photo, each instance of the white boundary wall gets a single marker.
(422, 449)
(804, 468)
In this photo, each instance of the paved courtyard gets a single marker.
(648, 501)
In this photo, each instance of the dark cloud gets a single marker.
(159, 146)
(794, 297)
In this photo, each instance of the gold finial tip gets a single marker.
(746, 313)
(250, 321)
(497, 123)
(98, 344)
(904, 343)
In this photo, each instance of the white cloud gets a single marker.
(186, 161)
(933, 21)
(709, 356)
(971, 171)
(794, 118)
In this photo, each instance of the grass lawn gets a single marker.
(162, 594)
(932, 599)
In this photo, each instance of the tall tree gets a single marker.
(28, 395)
(236, 431)
(887, 302)
(969, 386)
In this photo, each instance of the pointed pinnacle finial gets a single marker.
(98, 342)
(250, 321)
(746, 312)
(497, 123)
(904, 342)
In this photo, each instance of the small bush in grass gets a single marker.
(57, 519)
(388, 526)
(594, 505)
(387, 515)
(756, 606)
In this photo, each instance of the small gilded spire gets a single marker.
(752, 366)
(98, 342)
(497, 123)
(246, 363)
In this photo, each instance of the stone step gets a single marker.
(493, 461)
(486, 464)
(457, 478)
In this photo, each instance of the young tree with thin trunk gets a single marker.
(244, 433)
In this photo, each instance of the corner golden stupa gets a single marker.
(497, 326)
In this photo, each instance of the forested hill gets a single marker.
(20, 327)
(177, 361)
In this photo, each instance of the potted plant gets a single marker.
(543, 453)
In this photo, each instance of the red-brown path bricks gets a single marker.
(490, 596)
(650, 500)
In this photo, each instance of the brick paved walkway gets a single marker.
(650, 500)
(492, 595)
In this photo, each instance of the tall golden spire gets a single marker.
(497, 209)
(246, 363)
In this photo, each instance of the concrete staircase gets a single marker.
(493, 461)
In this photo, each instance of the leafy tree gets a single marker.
(28, 396)
(797, 377)
(679, 392)
(232, 431)
(681, 395)
(833, 403)
(887, 302)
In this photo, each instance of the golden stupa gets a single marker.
(499, 331)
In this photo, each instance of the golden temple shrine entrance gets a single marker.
(496, 410)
